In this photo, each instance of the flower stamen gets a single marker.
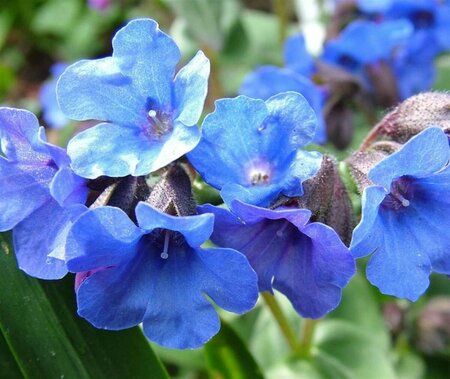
(165, 254)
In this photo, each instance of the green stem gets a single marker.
(306, 336)
(281, 320)
(282, 15)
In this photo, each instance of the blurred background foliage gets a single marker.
(370, 336)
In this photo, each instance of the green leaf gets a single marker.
(360, 307)
(209, 21)
(228, 358)
(48, 340)
(356, 351)
(8, 365)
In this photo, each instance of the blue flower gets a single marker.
(250, 149)
(39, 194)
(150, 115)
(267, 81)
(157, 274)
(305, 261)
(414, 66)
(366, 42)
(374, 6)
(51, 112)
(405, 217)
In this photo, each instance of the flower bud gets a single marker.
(416, 114)
(383, 83)
(327, 198)
(359, 165)
(173, 193)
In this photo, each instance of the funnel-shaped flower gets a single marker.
(149, 115)
(39, 194)
(305, 261)
(251, 149)
(406, 215)
(157, 274)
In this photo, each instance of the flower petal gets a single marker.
(96, 89)
(116, 297)
(35, 238)
(296, 56)
(112, 150)
(182, 281)
(20, 195)
(424, 154)
(367, 234)
(229, 140)
(148, 56)
(400, 266)
(196, 229)
(313, 269)
(19, 136)
(68, 188)
(101, 237)
(190, 88)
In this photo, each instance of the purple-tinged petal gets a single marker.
(367, 234)
(68, 188)
(117, 297)
(423, 155)
(37, 236)
(309, 264)
(20, 195)
(190, 88)
(149, 56)
(101, 237)
(252, 214)
(112, 150)
(54, 154)
(19, 136)
(313, 269)
(196, 229)
(96, 89)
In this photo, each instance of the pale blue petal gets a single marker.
(424, 154)
(190, 88)
(148, 56)
(112, 150)
(96, 89)
(19, 136)
(68, 188)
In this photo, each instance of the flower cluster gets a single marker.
(117, 207)
(387, 51)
